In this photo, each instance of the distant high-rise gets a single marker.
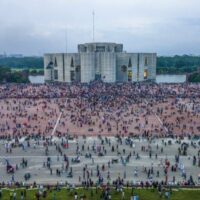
(105, 61)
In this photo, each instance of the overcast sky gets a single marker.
(34, 27)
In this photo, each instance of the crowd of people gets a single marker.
(129, 110)
(98, 108)
(99, 89)
(101, 158)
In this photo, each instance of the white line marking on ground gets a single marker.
(54, 129)
(158, 118)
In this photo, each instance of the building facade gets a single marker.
(100, 61)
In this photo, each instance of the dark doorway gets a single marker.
(78, 73)
(72, 76)
(97, 77)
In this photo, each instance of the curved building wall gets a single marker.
(108, 67)
(152, 67)
(133, 58)
(122, 60)
(87, 67)
(67, 58)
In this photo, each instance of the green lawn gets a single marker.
(91, 194)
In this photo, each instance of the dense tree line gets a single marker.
(9, 76)
(24, 63)
(194, 78)
(177, 64)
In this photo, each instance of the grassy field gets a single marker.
(91, 194)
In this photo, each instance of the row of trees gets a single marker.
(194, 78)
(174, 70)
(177, 64)
(22, 63)
(9, 76)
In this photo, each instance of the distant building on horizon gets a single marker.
(100, 61)
(4, 55)
(16, 56)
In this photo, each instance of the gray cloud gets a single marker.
(35, 27)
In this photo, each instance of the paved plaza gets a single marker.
(111, 148)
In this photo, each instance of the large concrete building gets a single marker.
(105, 61)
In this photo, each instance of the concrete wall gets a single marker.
(68, 68)
(131, 58)
(100, 47)
(150, 66)
(58, 65)
(138, 65)
(141, 67)
(122, 60)
(47, 72)
(87, 67)
(108, 67)
(106, 64)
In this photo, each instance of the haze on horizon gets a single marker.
(34, 27)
